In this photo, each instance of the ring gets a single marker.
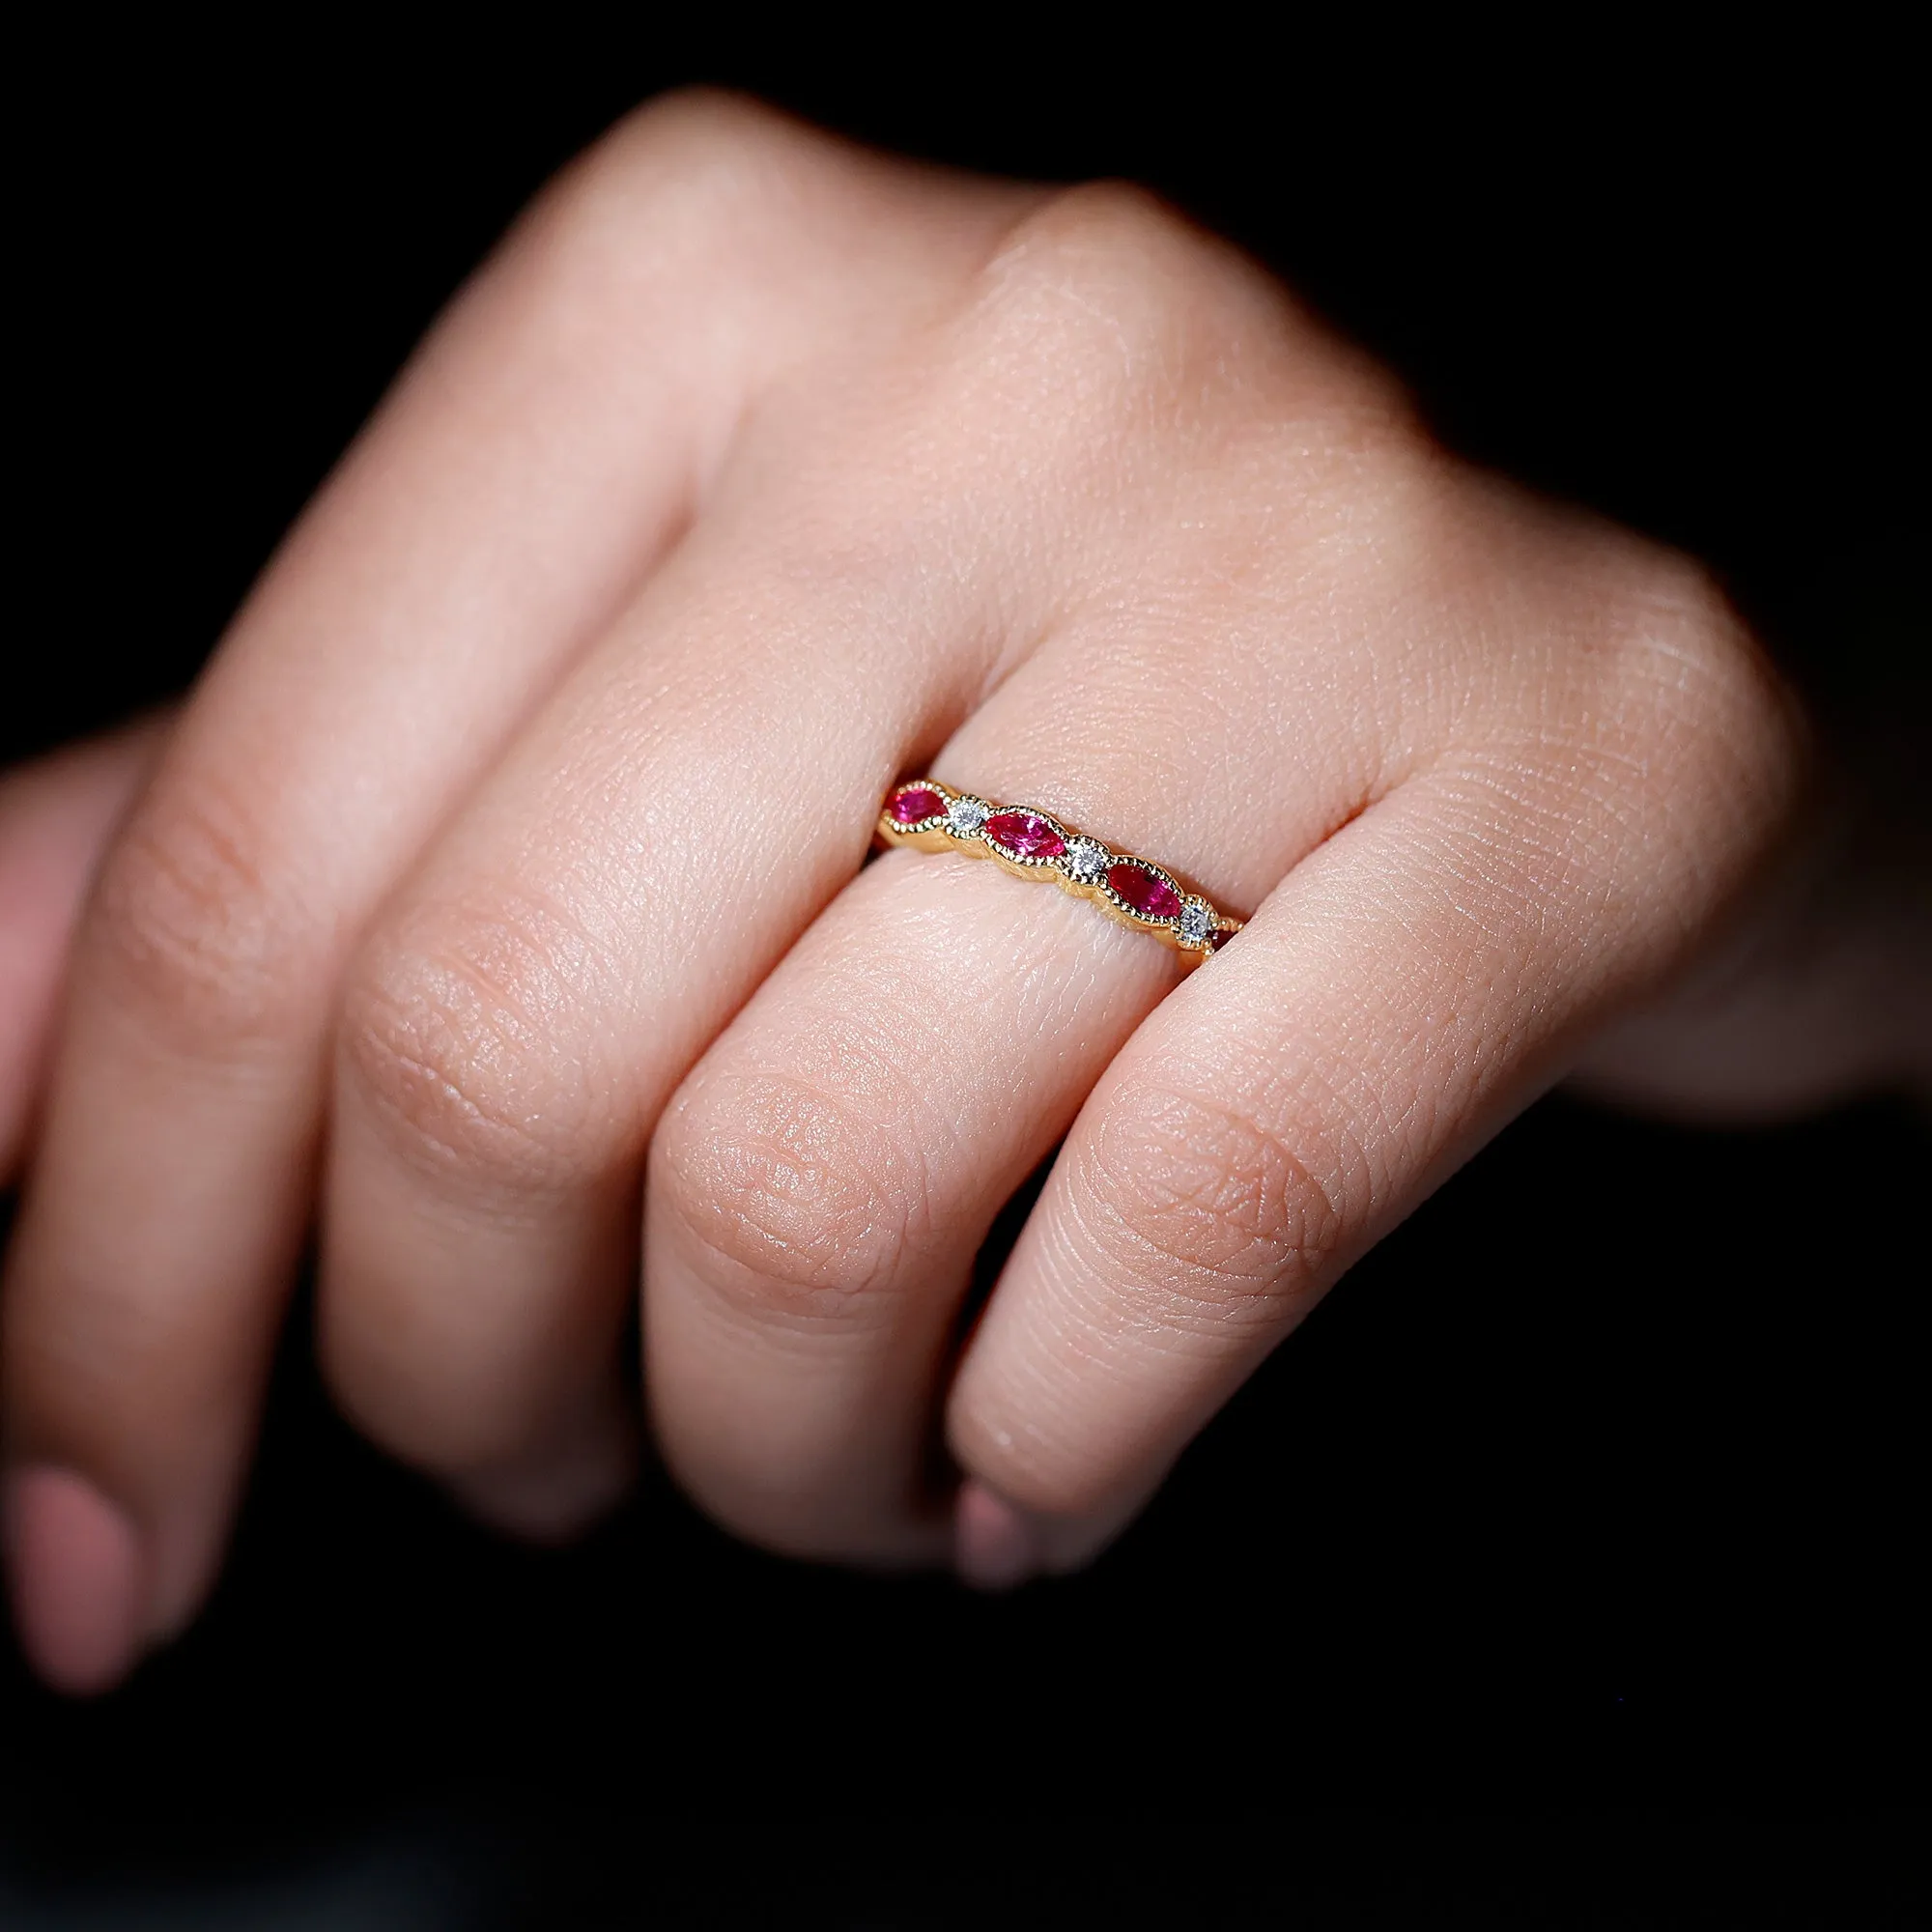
(1033, 844)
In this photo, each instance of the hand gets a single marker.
(503, 876)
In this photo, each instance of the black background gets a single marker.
(1596, 1489)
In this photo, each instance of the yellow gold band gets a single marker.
(1033, 844)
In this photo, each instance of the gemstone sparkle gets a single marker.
(1087, 861)
(965, 816)
(1025, 836)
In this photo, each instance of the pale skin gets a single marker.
(494, 906)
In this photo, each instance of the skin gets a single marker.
(495, 903)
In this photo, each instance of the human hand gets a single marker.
(504, 872)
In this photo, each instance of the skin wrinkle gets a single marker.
(187, 923)
(472, 1015)
(761, 1196)
(1532, 805)
(745, 1198)
(1207, 1153)
(849, 1056)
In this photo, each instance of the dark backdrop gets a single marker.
(1596, 1484)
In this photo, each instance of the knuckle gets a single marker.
(1631, 786)
(1709, 676)
(449, 1030)
(1117, 284)
(688, 127)
(703, 204)
(698, 170)
(1132, 316)
(795, 1207)
(1109, 233)
(194, 924)
(1680, 698)
(1208, 1209)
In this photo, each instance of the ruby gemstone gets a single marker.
(1021, 833)
(1147, 892)
(910, 807)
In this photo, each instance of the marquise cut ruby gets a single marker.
(1147, 892)
(910, 807)
(1020, 832)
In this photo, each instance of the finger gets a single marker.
(821, 1186)
(695, 795)
(698, 788)
(1414, 982)
(538, 456)
(824, 1180)
(56, 816)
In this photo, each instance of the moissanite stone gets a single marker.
(1197, 923)
(964, 817)
(1025, 836)
(1147, 891)
(1087, 861)
(910, 807)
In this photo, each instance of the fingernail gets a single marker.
(74, 1562)
(994, 1547)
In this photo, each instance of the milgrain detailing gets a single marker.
(1036, 845)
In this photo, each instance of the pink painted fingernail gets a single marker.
(994, 1548)
(74, 1561)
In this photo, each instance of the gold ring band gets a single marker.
(1034, 844)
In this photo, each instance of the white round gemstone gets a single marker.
(1197, 923)
(964, 816)
(1087, 861)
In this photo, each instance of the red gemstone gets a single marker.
(1022, 832)
(910, 807)
(1147, 892)
(1218, 938)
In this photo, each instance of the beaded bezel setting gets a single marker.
(1034, 844)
